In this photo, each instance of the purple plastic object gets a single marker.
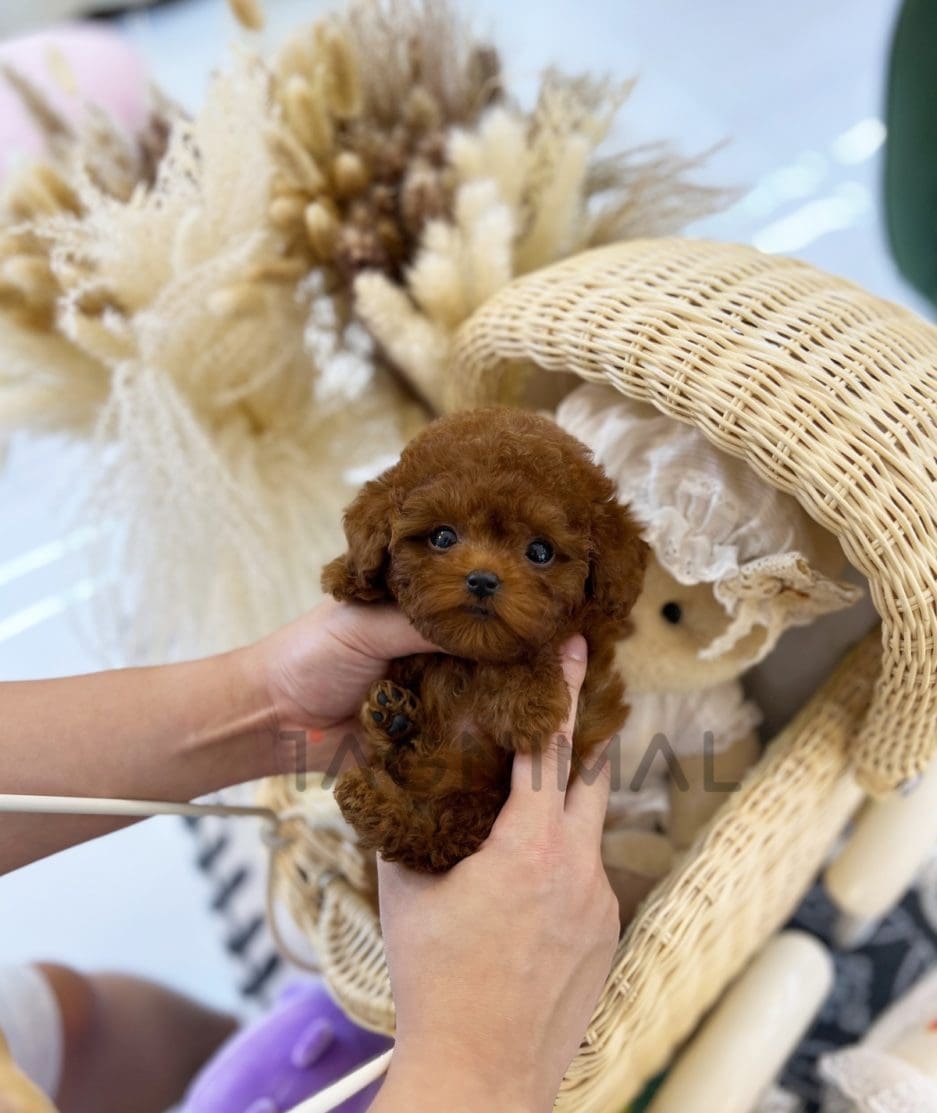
(304, 1044)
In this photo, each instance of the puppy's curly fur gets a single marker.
(497, 536)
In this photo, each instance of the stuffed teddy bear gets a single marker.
(734, 563)
(669, 780)
(498, 537)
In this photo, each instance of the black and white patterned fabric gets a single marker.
(901, 950)
(234, 861)
(236, 876)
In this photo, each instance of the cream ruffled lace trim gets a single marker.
(710, 519)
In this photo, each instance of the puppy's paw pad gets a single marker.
(399, 725)
(393, 710)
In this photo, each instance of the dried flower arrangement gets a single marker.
(249, 311)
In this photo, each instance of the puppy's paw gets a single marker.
(535, 726)
(391, 714)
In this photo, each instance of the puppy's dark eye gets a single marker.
(671, 612)
(443, 537)
(540, 552)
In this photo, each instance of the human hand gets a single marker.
(318, 670)
(177, 732)
(497, 965)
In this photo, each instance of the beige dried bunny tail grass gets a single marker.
(404, 165)
(364, 100)
(527, 189)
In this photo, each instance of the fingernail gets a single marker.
(575, 648)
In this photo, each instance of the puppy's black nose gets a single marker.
(482, 584)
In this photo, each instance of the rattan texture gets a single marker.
(823, 389)
(827, 392)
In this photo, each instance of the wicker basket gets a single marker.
(827, 393)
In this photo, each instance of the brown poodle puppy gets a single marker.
(498, 537)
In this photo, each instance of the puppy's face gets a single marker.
(488, 574)
(495, 533)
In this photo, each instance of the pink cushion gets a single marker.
(106, 71)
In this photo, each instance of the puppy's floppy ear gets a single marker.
(358, 576)
(617, 561)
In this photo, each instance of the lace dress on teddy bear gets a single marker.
(735, 564)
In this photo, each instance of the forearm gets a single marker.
(287, 704)
(152, 732)
(168, 733)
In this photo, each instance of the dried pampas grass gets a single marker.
(243, 309)
(249, 13)
(366, 100)
(174, 332)
(527, 190)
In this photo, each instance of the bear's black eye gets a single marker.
(671, 612)
(443, 537)
(540, 552)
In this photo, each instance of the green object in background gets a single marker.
(641, 1103)
(911, 146)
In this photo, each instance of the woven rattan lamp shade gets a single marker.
(828, 393)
